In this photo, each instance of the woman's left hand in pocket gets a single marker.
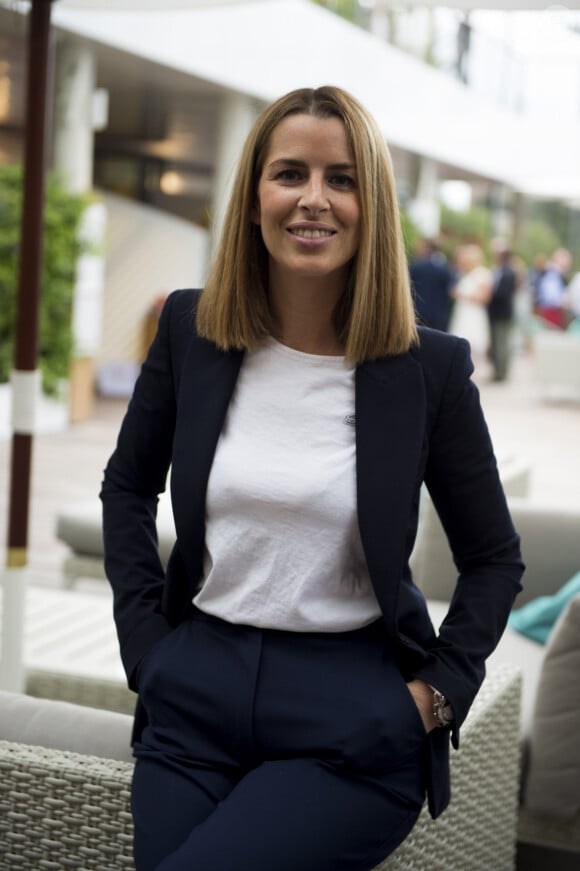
(423, 698)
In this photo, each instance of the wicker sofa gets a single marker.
(65, 772)
(64, 786)
(549, 814)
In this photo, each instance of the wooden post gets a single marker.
(25, 377)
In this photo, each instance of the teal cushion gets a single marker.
(537, 618)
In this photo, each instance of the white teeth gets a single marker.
(311, 234)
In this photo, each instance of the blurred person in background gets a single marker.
(471, 295)
(535, 275)
(572, 300)
(432, 280)
(463, 46)
(500, 309)
(296, 703)
(551, 289)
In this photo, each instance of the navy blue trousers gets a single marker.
(274, 751)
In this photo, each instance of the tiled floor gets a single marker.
(67, 468)
(68, 465)
(525, 422)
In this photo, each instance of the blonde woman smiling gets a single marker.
(296, 704)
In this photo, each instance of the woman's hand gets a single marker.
(484, 290)
(423, 697)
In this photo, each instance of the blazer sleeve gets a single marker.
(135, 474)
(462, 478)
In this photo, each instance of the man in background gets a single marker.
(500, 309)
(432, 279)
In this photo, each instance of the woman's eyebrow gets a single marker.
(300, 164)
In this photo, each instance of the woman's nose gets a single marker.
(314, 198)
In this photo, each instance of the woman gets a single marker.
(472, 294)
(285, 662)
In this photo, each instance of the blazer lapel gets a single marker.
(208, 379)
(390, 425)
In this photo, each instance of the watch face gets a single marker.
(442, 709)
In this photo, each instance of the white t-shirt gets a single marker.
(283, 548)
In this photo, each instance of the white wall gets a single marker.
(148, 254)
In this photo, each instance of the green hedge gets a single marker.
(62, 246)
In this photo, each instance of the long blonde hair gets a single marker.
(375, 315)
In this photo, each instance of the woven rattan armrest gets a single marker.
(478, 829)
(62, 810)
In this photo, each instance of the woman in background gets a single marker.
(472, 294)
(295, 701)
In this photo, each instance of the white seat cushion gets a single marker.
(63, 726)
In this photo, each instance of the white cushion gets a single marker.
(552, 787)
(64, 726)
(80, 525)
(550, 549)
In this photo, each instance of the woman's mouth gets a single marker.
(308, 233)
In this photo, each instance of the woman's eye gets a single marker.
(288, 175)
(342, 181)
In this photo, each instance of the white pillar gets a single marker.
(90, 280)
(73, 149)
(238, 113)
(424, 208)
(502, 219)
(73, 119)
(383, 20)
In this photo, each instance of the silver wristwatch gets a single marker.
(442, 710)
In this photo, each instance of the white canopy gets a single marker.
(265, 49)
(465, 5)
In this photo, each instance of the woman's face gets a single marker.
(468, 258)
(308, 204)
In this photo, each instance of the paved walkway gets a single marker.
(68, 465)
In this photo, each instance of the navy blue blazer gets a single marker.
(418, 418)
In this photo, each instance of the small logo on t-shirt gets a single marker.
(349, 419)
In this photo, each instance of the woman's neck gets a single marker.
(303, 316)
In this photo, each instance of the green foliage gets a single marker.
(460, 228)
(411, 232)
(62, 247)
(550, 225)
(554, 214)
(348, 9)
(537, 238)
(547, 227)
